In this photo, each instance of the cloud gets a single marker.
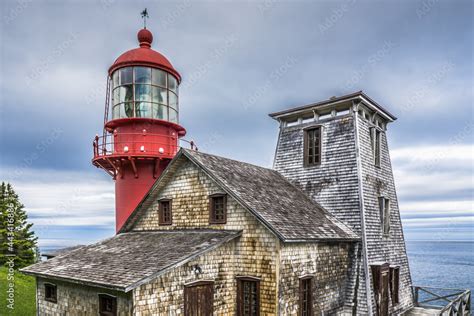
(433, 170)
(441, 221)
(65, 198)
(55, 80)
(435, 187)
(436, 209)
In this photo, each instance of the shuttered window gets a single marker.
(306, 301)
(384, 205)
(248, 297)
(312, 146)
(165, 214)
(375, 139)
(107, 305)
(218, 209)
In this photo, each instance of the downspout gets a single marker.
(355, 302)
(361, 206)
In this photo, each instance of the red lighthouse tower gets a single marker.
(141, 136)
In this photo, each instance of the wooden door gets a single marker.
(384, 284)
(381, 281)
(198, 299)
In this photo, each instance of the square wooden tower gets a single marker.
(337, 152)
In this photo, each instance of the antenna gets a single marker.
(144, 17)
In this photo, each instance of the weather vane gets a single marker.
(144, 16)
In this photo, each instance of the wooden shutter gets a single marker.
(199, 299)
(395, 284)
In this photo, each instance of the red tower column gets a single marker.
(141, 135)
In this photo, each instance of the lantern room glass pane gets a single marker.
(172, 83)
(173, 116)
(116, 96)
(115, 79)
(159, 95)
(116, 112)
(173, 100)
(125, 94)
(126, 75)
(160, 112)
(158, 77)
(127, 110)
(143, 109)
(142, 92)
(142, 75)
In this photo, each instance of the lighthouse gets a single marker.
(141, 123)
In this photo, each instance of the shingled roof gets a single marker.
(128, 260)
(283, 208)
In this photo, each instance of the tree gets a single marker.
(17, 240)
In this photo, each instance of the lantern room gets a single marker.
(141, 123)
(144, 92)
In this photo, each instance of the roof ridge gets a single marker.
(230, 159)
(181, 230)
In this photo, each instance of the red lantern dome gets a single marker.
(144, 56)
(141, 135)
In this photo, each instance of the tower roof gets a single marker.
(144, 56)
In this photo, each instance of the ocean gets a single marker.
(445, 264)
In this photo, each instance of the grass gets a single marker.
(24, 298)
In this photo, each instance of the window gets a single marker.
(164, 212)
(218, 209)
(144, 92)
(375, 142)
(384, 205)
(248, 296)
(50, 293)
(107, 305)
(306, 297)
(395, 284)
(312, 146)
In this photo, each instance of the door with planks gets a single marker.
(381, 280)
(199, 299)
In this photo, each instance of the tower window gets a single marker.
(107, 305)
(164, 212)
(50, 293)
(218, 209)
(248, 296)
(375, 142)
(384, 205)
(306, 302)
(312, 146)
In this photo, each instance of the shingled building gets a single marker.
(319, 234)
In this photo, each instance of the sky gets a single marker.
(239, 60)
